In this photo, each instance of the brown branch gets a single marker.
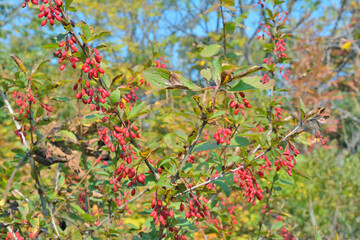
(11, 179)
(32, 164)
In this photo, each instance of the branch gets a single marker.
(240, 167)
(267, 206)
(10, 230)
(11, 179)
(224, 32)
(124, 205)
(77, 186)
(33, 167)
(185, 158)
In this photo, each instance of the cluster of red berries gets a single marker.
(258, 128)
(195, 209)
(319, 136)
(223, 135)
(265, 78)
(265, 29)
(160, 63)
(129, 97)
(52, 12)
(160, 213)
(122, 172)
(260, 3)
(265, 167)
(248, 183)
(235, 103)
(278, 112)
(64, 54)
(289, 162)
(10, 236)
(191, 159)
(120, 134)
(285, 73)
(280, 47)
(23, 101)
(286, 234)
(268, 61)
(177, 236)
(97, 213)
(92, 64)
(120, 202)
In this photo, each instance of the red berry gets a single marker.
(43, 23)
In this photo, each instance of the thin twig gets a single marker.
(11, 179)
(11, 231)
(238, 168)
(185, 158)
(33, 166)
(224, 32)
(267, 206)
(15, 192)
(77, 186)
(84, 157)
(124, 205)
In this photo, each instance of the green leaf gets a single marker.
(37, 66)
(230, 27)
(250, 84)
(61, 99)
(216, 69)
(68, 3)
(184, 222)
(301, 173)
(302, 105)
(115, 96)
(157, 77)
(269, 13)
(206, 73)
(68, 134)
(276, 226)
(77, 209)
(212, 8)
(230, 8)
(278, 2)
(181, 135)
(218, 114)
(75, 234)
(239, 141)
(1, 102)
(210, 50)
(39, 112)
(106, 80)
(100, 35)
(189, 84)
(164, 181)
(86, 32)
(50, 45)
(137, 110)
(223, 187)
(205, 146)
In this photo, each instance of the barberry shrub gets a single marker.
(123, 171)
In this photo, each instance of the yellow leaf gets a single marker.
(346, 46)
(19, 63)
(168, 195)
(95, 210)
(145, 152)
